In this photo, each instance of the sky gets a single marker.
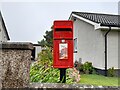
(28, 20)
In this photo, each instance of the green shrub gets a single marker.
(87, 68)
(78, 66)
(111, 72)
(81, 67)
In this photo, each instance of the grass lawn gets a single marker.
(94, 79)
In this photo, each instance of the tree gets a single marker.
(42, 43)
(48, 39)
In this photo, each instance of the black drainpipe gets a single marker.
(106, 50)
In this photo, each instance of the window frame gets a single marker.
(75, 45)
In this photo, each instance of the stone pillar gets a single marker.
(15, 60)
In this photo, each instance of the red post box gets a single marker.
(63, 44)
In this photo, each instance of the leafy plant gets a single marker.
(81, 67)
(87, 67)
(78, 66)
(111, 72)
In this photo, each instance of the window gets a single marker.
(75, 45)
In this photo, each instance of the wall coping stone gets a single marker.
(63, 86)
(17, 45)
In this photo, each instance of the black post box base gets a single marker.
(63, 75)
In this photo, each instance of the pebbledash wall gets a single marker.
(15, 60)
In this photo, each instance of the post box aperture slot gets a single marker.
(63, 51)
(63, 29)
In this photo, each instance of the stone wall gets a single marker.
(62, 86)
(15, 60)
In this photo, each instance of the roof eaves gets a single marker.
(36, 45)
(106, 28)
(3, 24)
(108, 25)
(84, 19)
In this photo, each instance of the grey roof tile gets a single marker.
(103, 19)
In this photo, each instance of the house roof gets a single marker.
(102, 19)
(36, 45)
(3, 25)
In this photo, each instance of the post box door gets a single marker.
(63, 54)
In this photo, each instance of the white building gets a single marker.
(37, 49)
(89, 39)
(3, 31)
